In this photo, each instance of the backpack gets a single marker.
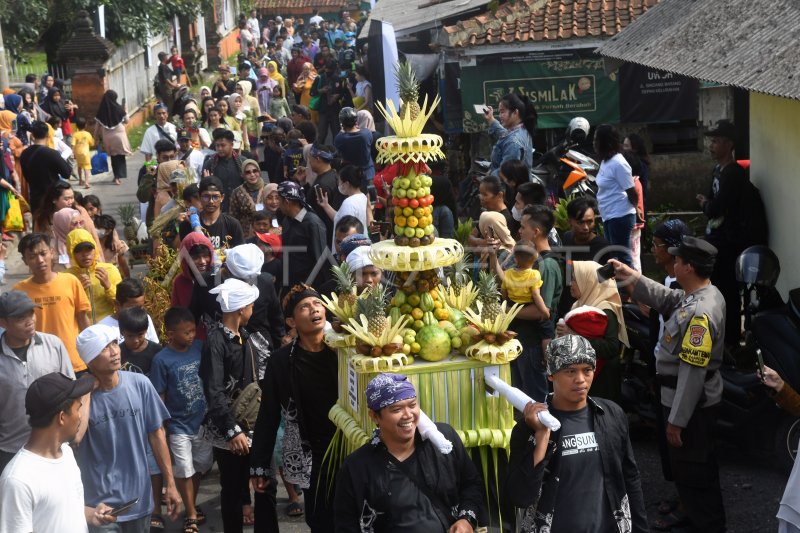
(754, 228)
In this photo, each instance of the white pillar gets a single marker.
(101, 20)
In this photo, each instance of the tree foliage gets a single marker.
(49, 22)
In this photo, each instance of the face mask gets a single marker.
(342, 189)
(516, 213)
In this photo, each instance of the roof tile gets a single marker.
(543, 20)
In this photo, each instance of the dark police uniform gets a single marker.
(689, 355)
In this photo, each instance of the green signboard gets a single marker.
(562, 85)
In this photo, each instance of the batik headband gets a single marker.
(387, 389)
(569, 350)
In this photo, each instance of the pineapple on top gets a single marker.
(408, 87)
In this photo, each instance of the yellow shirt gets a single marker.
(82, 143)
(519, 284)
(61, 299)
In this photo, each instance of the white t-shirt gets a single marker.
(355, 205)
(40, 494)
(152, 136)
(613, 179)
(151, 335)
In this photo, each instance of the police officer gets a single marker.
(688, 359)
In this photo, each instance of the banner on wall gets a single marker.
(648, 95)
(562, 84)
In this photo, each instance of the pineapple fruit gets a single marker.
(408, 87)
(343, 302)
(489, 296)
(127, 214)
(373, 306)
(376, 335)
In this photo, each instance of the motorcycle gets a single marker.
(563, 169)
(748, 414)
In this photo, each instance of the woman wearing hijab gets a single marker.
(64, 221)
(55, 106)
(264, 85)
(597, 316)
(303, 86)
(494, 231)
(163, 187)
(276, 76)
(109, 131)
(244, 198)
(197, 247)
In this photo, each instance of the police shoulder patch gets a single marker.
(696, 345)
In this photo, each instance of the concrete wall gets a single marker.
(129, 75)
(775, 160)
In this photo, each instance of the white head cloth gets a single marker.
(244, 261)
(94, 340)
(234, 294)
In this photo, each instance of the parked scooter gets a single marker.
(748, 415)
(564, 170)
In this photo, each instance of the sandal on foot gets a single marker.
(201, 516)
(156, 522)
(248, 519)
(668, 506)
(294, 510)
(190, 525)
(671, 520)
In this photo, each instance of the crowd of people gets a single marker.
(261, 182)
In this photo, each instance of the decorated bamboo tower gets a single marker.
(446, 333)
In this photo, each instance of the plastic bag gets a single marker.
(13, 220)
(99, 162)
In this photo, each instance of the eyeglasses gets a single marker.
(211, 197)
(253, 171)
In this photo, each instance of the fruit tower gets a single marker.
(430, 328)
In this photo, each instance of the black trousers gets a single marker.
(318, 498)
(119, 167)
(696, 473)
(329, 120)
(234, 471)
(724, 278)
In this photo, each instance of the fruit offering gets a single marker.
(376, 335)
(413, 210)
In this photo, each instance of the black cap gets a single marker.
(46, 393)
(16, 303)
(184, 134)
(696, 251)
(672, 232)
(723, 128)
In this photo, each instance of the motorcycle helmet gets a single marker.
(758, 265)
(578, 130)
(348, 117)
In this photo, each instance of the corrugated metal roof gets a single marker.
(545, 20)
(751, 44)
(409, 16)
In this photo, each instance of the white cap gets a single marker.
(94, 340)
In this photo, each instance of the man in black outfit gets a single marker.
(42, 166)
(304, 239)
(300, 381)
(226, 164)
(327, 181)
(331, 91)
(723, 207)
(222, 230)
(582, 477)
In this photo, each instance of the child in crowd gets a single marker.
(521, 283)
(270, 244)
(99, 279)
(55, 139)
(178, 66)
(175, 376)
(114, 248)
(293, 155)
(137, 353)
(130, 293)
(82, 144)
(278, 106)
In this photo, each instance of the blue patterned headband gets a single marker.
(387, 389)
